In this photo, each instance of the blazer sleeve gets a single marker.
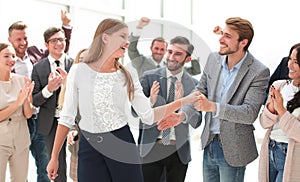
(135, 56)
(68, 33)
(38, 98)
(290, 124)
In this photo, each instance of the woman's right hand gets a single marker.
(191, 98)
(52, 169)
(23, 95)
(270, 105)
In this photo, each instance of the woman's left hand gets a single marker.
(278, 102)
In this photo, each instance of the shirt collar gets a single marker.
(237, 66)
(161, 64)
(24, 58)
(178, 76)
(61, 59)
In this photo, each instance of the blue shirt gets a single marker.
(225, 81)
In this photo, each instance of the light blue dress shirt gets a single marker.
(225, 81)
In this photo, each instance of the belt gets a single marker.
(172, 142)
(215, 136)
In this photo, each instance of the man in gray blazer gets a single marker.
(48, 75)
(233, 88)
(173, 155)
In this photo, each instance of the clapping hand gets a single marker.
(154, 92)
(56, 79)
(276, 104)
(25, 93)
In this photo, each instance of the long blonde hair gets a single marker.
(61, 96)
(109, 26)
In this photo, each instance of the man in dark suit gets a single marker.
(26, 57)
(49, 74)
(172, 150)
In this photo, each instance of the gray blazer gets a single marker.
(150, 133)
(40, 74)
(237, 115)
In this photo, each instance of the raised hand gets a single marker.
(169, 121)
(154, 92)
(144, 21)
(218, 30)
(65, 17)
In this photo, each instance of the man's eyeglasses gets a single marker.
(55, 40)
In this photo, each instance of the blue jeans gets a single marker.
(38, 150)
(277, 154)
(215, 167)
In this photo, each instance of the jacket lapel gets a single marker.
(240, 76)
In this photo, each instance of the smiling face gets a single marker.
(117, 42)
(229, 43)
(176, 57)
(7, 59)
(56, 44)
(293, 65)
(158, 50)
(18, 39)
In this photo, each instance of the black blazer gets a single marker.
(40, 74)
(150, 133)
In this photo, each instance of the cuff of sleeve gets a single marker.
(67, 26)
(186, 117)
(150, 102)
(137, 32)
(46, 93)
(217, 113)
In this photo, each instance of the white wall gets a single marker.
(275, 23)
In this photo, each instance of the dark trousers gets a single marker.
(62, 169)
(109, 157)
(163, 158)
(38, 150)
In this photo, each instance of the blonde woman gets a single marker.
(102, 88)
(15, 108)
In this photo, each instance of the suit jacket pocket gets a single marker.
(243, 129)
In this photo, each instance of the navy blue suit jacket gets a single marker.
(150, 133)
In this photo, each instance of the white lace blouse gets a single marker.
(102, 100)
